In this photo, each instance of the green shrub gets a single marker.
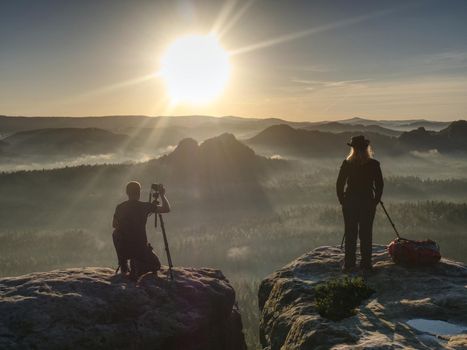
(337, 298)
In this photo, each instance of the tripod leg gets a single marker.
(166, 244)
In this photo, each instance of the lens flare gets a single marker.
(195, 69)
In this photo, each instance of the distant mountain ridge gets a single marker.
(399, 125)
(232, 124)
(9, 124)
(338, 127)
(137, 138)
(313, 143)
(64, 141)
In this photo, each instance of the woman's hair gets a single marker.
(360, 155)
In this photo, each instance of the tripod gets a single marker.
(155, 194)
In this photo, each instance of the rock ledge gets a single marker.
(290, 321)
(91, 308)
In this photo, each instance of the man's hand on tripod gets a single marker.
(165, 207)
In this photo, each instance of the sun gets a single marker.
(195, 69)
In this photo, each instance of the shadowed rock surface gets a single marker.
(91, 308)
(290, 321)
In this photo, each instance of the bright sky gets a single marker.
(298, 60)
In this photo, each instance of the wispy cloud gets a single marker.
(313, 84)
(448, 58)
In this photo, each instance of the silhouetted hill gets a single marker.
(222, 159)
(286, 140)
(67, 141)
(227, 148)
(185, 152)
(452, 139)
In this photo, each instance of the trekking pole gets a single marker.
(389, 218)
(166, 244)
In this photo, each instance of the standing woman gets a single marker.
(362, 175)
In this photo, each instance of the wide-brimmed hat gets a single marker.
(358, 141)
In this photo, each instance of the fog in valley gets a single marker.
(247, 196)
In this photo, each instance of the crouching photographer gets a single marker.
(129, 235)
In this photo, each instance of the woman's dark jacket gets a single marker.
(364, 181)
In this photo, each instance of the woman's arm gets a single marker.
(340, 183)
(379, 184)
(115, 218)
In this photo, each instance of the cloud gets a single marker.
(276, 156)
(313, 84)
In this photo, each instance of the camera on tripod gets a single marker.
(155, 192)
(156, 189)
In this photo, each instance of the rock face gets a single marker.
(91, 308)
(290, 321)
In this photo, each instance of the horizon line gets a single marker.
(397, 119)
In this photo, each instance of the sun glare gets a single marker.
(195, 69)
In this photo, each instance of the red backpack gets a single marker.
(407, 252)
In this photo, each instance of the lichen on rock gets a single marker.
(92, 308)
(290, 320)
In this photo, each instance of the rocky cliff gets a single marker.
(396, 316)
(91, 308)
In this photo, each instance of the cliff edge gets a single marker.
(91, 308)
(411, 308)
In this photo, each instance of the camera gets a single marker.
(156, 187)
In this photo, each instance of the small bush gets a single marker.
(337, 299)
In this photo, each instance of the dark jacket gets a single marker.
(364, 181)
(130, 220)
